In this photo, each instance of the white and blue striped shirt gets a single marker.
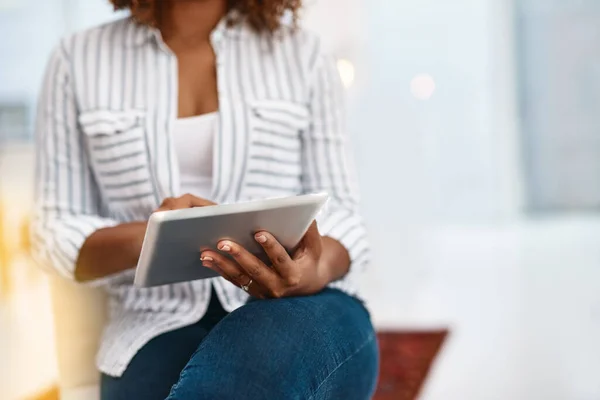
(105, 156)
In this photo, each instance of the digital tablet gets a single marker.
(174, 239)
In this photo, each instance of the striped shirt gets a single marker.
(105, 156)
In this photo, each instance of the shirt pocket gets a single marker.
(117, 147)
(275, 159)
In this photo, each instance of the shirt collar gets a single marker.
(144, 33)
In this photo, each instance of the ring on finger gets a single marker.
(246, 287)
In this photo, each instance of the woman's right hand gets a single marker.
(185, 201)
(111, 250)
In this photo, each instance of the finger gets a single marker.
(280, 259)
(167, 204)
(185, 201)
(174, 203)
(193, 201)
(226, 267)
(311, 243)
(254, 268)
(208, 262)
(312, 237)
(214, 262)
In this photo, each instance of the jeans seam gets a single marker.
(369, 340)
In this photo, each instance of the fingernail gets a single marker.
(224, 247)
(206, 261)
(261, 239)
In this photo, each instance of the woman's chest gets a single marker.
(197, 81)
(126, 126)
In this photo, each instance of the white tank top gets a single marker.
(193, 138)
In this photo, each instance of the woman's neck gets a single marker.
(190, 21)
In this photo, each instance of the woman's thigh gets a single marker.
(316, 347)
(155, 368)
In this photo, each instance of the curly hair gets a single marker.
(263, 15)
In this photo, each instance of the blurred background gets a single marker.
(476, 128)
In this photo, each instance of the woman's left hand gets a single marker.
(296, 275)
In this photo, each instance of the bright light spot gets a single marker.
(422, 86)
(347, 72)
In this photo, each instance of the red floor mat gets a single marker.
(406, 358)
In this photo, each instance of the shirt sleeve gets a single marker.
(66, 204)
(328, 167)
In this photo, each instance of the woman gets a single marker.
(222, 100)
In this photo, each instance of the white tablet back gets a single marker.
(174, 239)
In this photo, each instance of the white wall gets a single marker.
(29, 30)
(462, 142)
(453, 159)
(560, 70)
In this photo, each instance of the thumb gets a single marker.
(311, 241)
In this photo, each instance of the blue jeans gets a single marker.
(316, 347)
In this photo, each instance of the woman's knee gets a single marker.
(328, 324)
(286, 346)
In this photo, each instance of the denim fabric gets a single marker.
(157, 366)
(310, 348)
